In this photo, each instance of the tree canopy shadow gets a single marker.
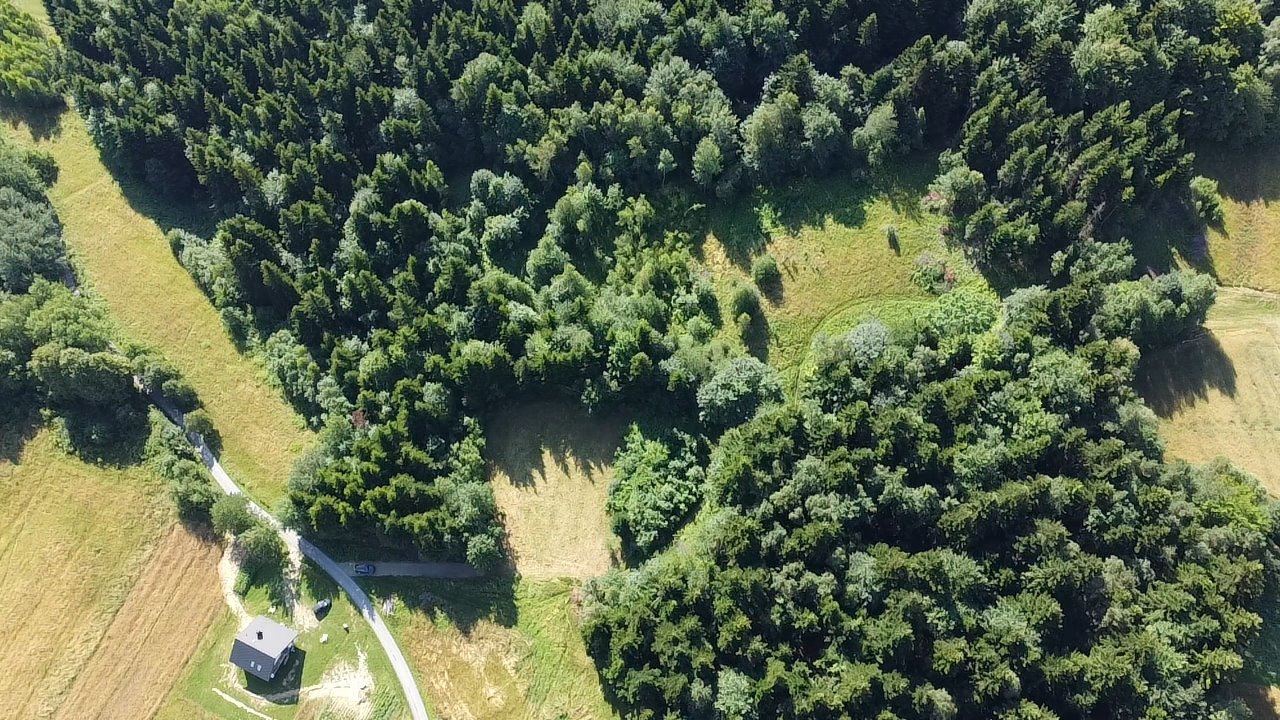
(1175, 378)
(1170, 224)
(170, 211)
(16, 430)
(114, 437)
(463, 603)
(530, 432)
(1262, 662)
(42, 122)
(1243, 174)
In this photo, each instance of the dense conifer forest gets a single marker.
(428, 209)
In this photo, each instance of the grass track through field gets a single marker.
(123, 255)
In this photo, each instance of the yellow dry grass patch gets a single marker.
(73, 537)
(550, 465)
(123, 255)
(492, 651)
(153, 635)
(1245, 251)
(1219, 393)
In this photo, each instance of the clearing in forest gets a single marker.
(120, 250)
(846, 249)
(497, 649)
(1218, 394)
(73, 539)
(1245, 249)
(550, 466)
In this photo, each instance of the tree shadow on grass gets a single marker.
(743, 225)
(462, 603)
(1155, 232)
(16, 430)
(1175, 378)
(533, 432)
(1245, 175)
(756, 335)
(42, 122)
(168, 211)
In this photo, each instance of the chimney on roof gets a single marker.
(259, 634)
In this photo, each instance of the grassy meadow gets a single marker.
(550, 467)
(1219, 393)
(498, 649)
(831, 240)
(1245, 250)
(77, 543)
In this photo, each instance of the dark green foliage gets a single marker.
(1205, 199)
(947, 533)
(656, 484)
(29, 63)
(765, 273)
(1157, 311)
(262, 552)
(962, 311)
(198, 421)
(737, 390)
(231, 515)
(30, 242)
(932, 275)
(190, 486)
(745, 300)
(158, 375)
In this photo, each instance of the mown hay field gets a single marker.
(74, 539)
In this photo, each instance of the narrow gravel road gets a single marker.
(417, 708)
(445, 570)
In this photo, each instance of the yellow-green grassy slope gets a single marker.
(500, 649)
(73, 539)
(839, 267)
(122, 253)
(1245, 250)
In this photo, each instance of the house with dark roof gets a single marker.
(262, 647)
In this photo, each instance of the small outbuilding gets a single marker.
(262, 647)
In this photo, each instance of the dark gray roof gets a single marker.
(259, 645)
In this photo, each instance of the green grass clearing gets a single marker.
(498, 649)
(1218, 394)
(550, 464)
(839, 267)
(1245, 251)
